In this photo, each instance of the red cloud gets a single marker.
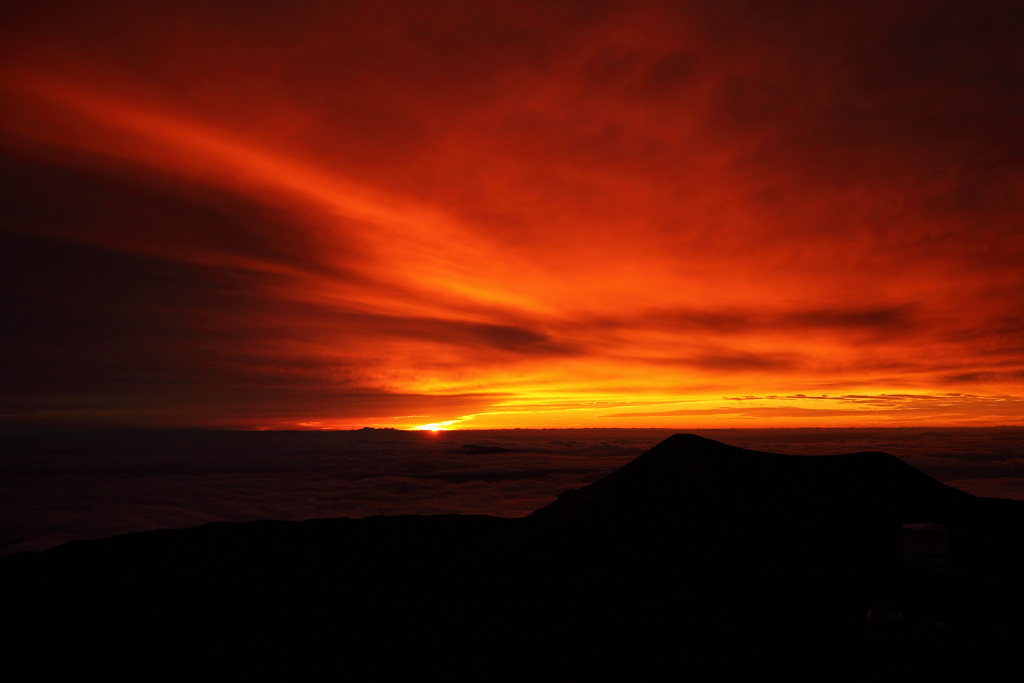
(242, 215)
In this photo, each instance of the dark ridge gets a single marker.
(687, 474)
(696, 560)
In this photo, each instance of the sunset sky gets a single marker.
(498, 214)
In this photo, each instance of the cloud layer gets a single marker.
(307, 214)
(57, 487)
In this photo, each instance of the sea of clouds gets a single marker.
(60, 487)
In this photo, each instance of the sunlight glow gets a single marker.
(436, 426)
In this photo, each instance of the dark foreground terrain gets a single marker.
(697, 559)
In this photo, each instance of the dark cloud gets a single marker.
(93, 199)
(881, 320)
(731, 362)
(874, 320)
(984, 377)
(497, 338)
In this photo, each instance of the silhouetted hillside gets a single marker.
(696, 558)
(688, 475)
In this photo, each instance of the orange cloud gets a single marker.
(508, 215)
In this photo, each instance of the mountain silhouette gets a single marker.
(688, 475)
(695, 559)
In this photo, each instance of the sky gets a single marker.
(316, 215)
